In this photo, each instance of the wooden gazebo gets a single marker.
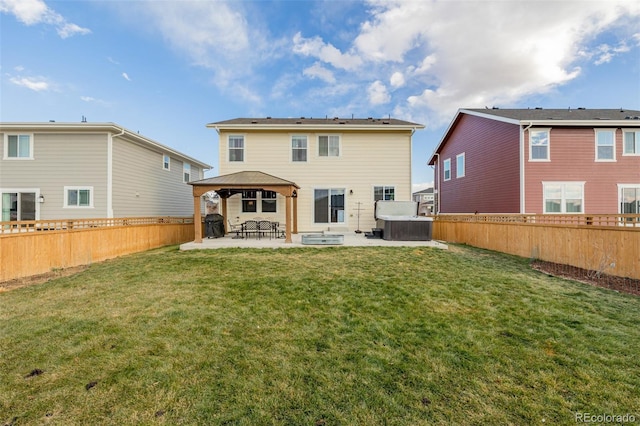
(227, 185)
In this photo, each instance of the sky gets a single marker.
(167, 68)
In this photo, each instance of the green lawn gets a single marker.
(316, 336)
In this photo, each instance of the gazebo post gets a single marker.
(295, 215)
(287, 226)
(197, 220)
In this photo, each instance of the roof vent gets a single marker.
(538, 107)
(301, 118)
(298, 122)
(268, 118)
(385, 122)
(254, 121)
(581, 108)
(342, 122)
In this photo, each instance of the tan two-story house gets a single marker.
(85, 170)
(337, 169)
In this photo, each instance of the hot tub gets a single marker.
(399, 221)
(405, 228)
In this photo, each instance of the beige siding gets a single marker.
(366, 159)
(62, 159)
(142, 187)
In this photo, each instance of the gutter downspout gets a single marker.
(437, 176)
(522, 164)
(110, 171)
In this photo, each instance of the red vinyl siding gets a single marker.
(572, 154)
(492, 180)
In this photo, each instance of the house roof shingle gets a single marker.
(246, 178)
(314, 122)
(560, 114)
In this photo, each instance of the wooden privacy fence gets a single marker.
(608, 244)
(35, 247)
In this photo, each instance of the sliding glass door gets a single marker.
(329, 205)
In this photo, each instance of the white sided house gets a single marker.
(334, 168)
(91, 170)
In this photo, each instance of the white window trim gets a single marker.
(562, 204)
(168, 162)
(291, 136)
(66, 197)
(538, 160)
(464, 163)
(184, 171)
(624, 132)
(444, 169)
(373, 190)
(6, 147)
(339, 145)
(607, 160)
(244, 147)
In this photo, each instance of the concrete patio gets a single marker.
(350, 239)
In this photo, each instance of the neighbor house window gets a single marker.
(18, 147)
(386, 193)
(539, 145)
(298, 148)
(249, 201)
(460, 165)
(166, 162)
(447, 169)
(76, 196)
(328, 205)
(236, 148)
(605, 145)
(563, 197)
(630, 201)
(269, 201)
(329, 146)
(186, 172)
(632, 143)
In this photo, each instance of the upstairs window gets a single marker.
(539, 145)
(446, 165)
(329, 146)
(166, 162)
(605, 145)
(386, 193)
(632, 143)
(236, 148)
(298, 148)
(75, 196)
(186, 172)
(460, 165)
(18, 147)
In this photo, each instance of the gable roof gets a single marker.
(541, 114)
(245, 179)
(315, 123)
(618, 117)
(114, 128)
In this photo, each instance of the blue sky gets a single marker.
(167, 68)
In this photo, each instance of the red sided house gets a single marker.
(539, 161)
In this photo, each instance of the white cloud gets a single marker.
(32, 12)
(318, 71)
(488, 53)
(126, 76)
(378, 93)
(327, 53)
(397, 79)
(35, 84)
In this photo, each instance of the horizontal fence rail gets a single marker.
(606, 244)
(626, 220)
(71, 224)
(35, 247)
